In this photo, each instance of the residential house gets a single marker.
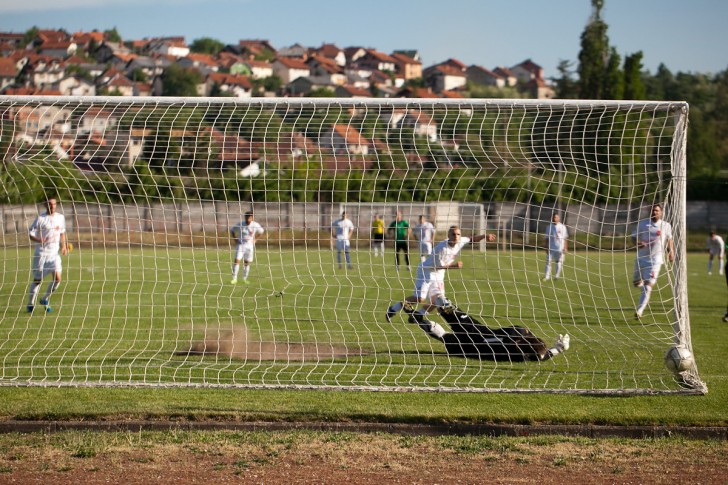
(12, 38)
(445, 77)
(507, 75)
(254, 69)
(8, 72)
(94, 70)
(75, 86)
(218, 83)
(230, 150)
(6, 48)
(31, 121)
(96, 120)
(142, 89)
(302, 86)
(255, 49)
(407, 67)
(106, 51)
(151, 67)
(481, 75)
(296, 51)
(204, 63)
(42, 70)
(120, 84)
(346, 91)
(539, 89)
(88, 41)
(374, 60)
(289, 69)
(49, 36)
(382, 79)
(61, 50)
(353, 54)
(331, 51)
(527, 70)
(354, 78)
(323, 67)
(344, 139)
(169, 46)
(419, 122)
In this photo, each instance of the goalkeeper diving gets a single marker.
(469, 338)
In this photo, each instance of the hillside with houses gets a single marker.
(55, 62)
(175, 146)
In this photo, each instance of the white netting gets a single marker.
(150, 188)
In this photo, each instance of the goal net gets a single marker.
(155, 192)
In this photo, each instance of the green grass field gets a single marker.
(121, 316)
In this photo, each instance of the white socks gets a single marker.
(53, 286)
(33, 293)
(644, 299)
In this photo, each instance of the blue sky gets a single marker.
(688, 36)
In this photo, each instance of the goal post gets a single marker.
(162, 287)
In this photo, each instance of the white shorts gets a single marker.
(554, 256)
(245, 252)
(342, 244)
(714, 253)
(45, 264)
(425, 248)
(430, 287)
(646, 271)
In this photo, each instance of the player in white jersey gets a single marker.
(556, 246)
(653, 236)
(342, 230)
(245, 234)
(430, 281)
(716, 247)
(424, 233)
(48, 231)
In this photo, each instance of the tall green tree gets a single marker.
(613, 86)
(594, 55)
(634, 87)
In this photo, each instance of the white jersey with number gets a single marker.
(716, 246)
(655, 236)
(48, 228)
(246, 233)
(556, 234)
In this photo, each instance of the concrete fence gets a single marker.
(112, 222)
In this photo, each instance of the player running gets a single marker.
(48, 231)
(652, 237)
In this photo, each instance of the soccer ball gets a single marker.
(678, 359)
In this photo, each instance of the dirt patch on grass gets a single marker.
(237, 343)
(352, 458)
